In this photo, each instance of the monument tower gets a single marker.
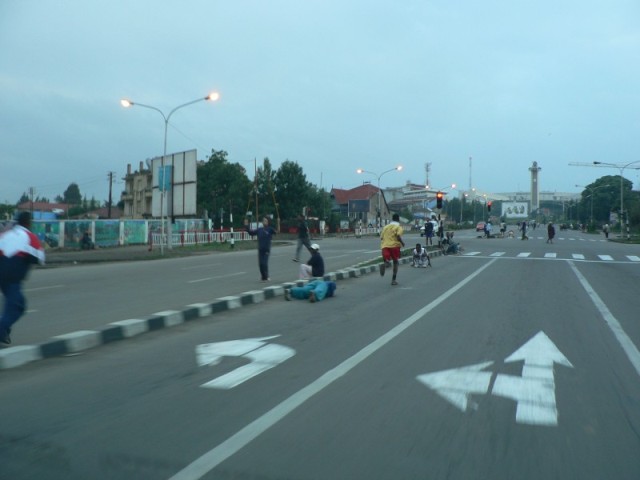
(535, 199)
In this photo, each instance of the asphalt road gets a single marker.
(492, 364)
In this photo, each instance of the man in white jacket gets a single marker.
(19, 249)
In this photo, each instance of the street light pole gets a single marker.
(360, 170)
(621, 168)
(127, 104)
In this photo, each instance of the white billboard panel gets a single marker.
(515, 209)
(177, 176)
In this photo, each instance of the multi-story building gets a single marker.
(137, 193)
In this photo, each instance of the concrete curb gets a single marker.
(81, 340)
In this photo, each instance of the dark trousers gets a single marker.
(14, 306)
(263, 262)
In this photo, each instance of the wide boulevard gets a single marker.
(512, 360)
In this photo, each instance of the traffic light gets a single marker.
(488, 206)
(439, 197)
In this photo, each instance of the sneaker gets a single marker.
(312, 297)
(382, 268)
(5, 340)
(287, 295)
(393, 282)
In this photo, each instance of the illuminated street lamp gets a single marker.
(360, 170)
(621, 168)
(213, 96)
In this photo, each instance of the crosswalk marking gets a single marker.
(553, 255)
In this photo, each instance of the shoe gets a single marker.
(312, 297)
(295, 259)
(6, 340)
(287, 295)
(393, 282)
(382, 268)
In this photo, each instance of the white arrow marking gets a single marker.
(457, 384)
(535, 390)
(261, 355)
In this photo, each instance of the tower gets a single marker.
(535, 201)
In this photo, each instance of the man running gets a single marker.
(390, 243)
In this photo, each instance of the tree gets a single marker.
(222, 185)
(72, 194)
(264, 190)
(293, 192)
(605, 194)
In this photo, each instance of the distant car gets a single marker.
(480, 227)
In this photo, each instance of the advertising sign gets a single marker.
(515, 209)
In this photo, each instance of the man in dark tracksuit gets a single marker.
(19, 249)
(264, 234)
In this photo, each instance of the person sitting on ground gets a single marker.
(315, 291)
(85, 242)
(315, 266)
(419, 256)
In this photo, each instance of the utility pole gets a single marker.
(110, 186)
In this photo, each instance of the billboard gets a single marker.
(515, 209)
(175, 176)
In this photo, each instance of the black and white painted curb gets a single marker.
(81, 340)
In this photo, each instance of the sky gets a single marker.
(477, 89)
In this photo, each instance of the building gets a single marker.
(138, 192)
(365, 203)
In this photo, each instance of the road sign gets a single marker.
(534, 391)
(261, 355)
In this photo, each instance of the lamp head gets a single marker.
(213, 96)
(126, 103)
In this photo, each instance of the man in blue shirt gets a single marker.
(264, 234)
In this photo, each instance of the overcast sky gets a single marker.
(333, 85)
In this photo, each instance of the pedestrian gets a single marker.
(390, 243)
(551, 232)
(19, 249)
(523, 228)
(303, 237)
(315, 291)
(605, 229)
(264, 234)
(428, 232)
(488, 228)
(315, 266)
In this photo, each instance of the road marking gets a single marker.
(633, 258)
(206, 265)
(550, 255)
(534, 391)
(37, 289)
(523, 254)
(471, 254)
(216, 278)
(577, 256)
(606, 258)
(214, 457)
(497, 254)
(623, 339)
(263, 356)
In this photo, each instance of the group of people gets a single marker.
(314, 290)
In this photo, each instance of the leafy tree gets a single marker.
(293, 192)
(222, 185)
(603, 196)
(265, 190)
(24, 198)
(72, 194)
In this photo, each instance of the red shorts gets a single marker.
(391, 253)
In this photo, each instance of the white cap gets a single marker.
(315, 246)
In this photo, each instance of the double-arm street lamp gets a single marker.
(162, 178)
(360, 170)
(621, 168)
